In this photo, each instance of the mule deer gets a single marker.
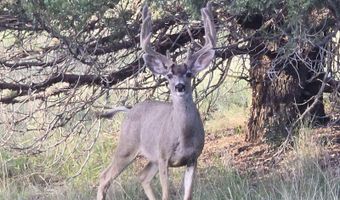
(166, 134)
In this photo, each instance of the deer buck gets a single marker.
(166, 134)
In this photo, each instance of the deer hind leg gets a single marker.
(120, 161)
(145, 177)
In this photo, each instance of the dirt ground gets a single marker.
(260, 158)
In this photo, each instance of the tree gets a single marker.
(292, 58)
(59, 60)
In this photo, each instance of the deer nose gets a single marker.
(180, 87)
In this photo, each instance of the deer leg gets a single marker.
(188, 180)
(119, 163)
(164, 178)
(145, 176)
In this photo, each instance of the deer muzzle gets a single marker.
(180, 87)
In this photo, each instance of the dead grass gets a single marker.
(223, 121)
(229, 168)
(321, 146)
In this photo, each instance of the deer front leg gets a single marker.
(164, 178)
(146, 176)
(188, 180)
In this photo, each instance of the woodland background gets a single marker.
(270, 101)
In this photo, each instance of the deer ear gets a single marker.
(154, 64)
(202, 61)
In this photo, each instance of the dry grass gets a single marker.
(234, 118)
(229, 167)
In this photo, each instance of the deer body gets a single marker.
(174, 128)
(166, 134)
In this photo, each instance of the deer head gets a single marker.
(179, 75)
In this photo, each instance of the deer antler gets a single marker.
(145, 37)
(210, 35)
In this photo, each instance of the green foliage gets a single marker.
(74, 15)
(296, 12)
(192, 6)
(300, 23)
(269, 7)
(240, 6)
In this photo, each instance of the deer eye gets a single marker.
(189, 75)
(169, 76)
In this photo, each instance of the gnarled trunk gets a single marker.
(279, 95)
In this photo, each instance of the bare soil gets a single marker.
(260, 158)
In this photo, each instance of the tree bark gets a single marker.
(279, 95)
(273, 98)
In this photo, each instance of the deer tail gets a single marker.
(112, 112)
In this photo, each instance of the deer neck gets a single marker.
(183, 104)
(184, 112)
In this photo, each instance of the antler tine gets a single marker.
(145, 28)
(210, 33)
(209, 25)
(145, 37)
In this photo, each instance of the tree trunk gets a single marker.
(273, 98)
(279, 96)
